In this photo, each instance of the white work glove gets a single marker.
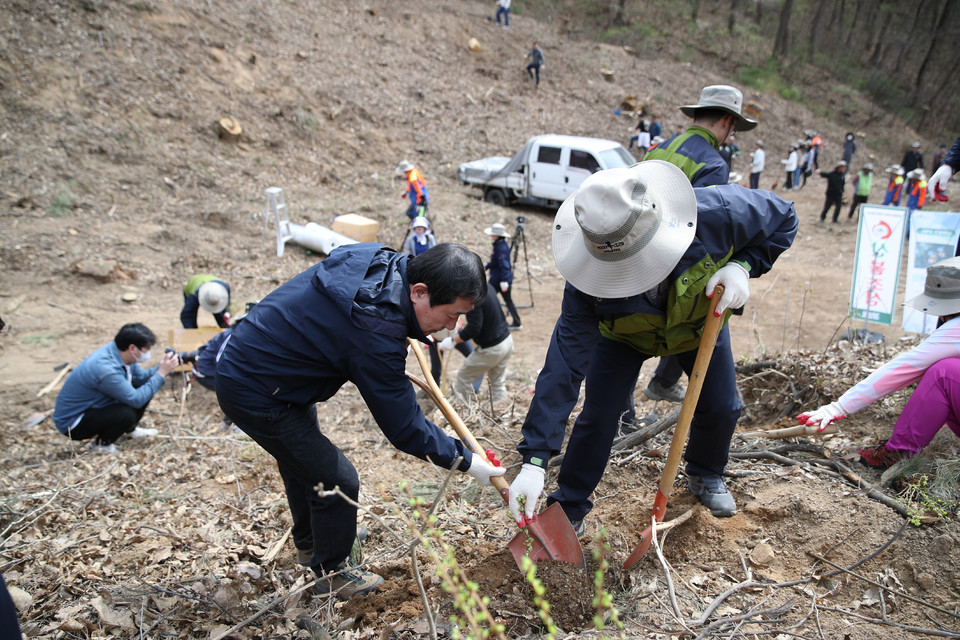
(824, 415)
(446, 344)
(528, 485)
(939, 180)
(736, 286)
(504, 286)
(483, 470)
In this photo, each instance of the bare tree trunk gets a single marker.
(815, 29)
(854, 26)
(694, 10)
(781, 44)
(758, 18)
(618, 19)
(732, 17)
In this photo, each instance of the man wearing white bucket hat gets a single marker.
(641, 250)
(934, 363)
(207, 292)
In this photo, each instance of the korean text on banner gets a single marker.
(933, 237)
(876, 269)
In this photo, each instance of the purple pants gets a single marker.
(935, 402)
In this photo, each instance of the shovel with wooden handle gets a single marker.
(708, 341)
(550, 535)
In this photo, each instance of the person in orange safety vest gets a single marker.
(894, 186)
(416, 190)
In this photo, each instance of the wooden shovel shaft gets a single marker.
(451, 415)
(708, 341)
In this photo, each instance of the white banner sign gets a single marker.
(933, 237)
(876, 269)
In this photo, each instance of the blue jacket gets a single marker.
(206, 363)
(100, 381)
(695, 152)
(751, 227)
(499, 265)
(344, 320)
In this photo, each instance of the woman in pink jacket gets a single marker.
(935, 363)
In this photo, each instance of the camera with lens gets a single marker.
(185, 356)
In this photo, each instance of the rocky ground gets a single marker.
(115, 188)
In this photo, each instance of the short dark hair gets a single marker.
(450, 271)
(711, 115)
(135, 334)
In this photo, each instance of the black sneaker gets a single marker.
(347, 581)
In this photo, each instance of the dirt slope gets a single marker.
(110, 163)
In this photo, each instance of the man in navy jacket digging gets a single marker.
(345, 319)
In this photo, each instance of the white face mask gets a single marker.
(144, 357)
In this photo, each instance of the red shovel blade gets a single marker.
(646, 536)
(550, 537)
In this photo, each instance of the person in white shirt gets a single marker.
(756, 164)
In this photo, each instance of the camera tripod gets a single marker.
(518, 240)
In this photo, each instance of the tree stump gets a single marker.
(229, 129)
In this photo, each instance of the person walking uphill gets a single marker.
(416, 190)
(207, 292)
(835, 183)
(641, 251)
(346, 319)
(501, 271)
(934, 365)
(536, 62)
(107, 394)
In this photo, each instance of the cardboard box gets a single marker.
(188, 340)
(357, 227)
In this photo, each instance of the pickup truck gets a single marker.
(545, 171)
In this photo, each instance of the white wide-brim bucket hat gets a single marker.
(725, 98)
(624, 230)
(497, 229)
(213, 297)
(941, 290)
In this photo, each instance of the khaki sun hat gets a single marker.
(941, 291)
(624, 230)
(724, 98)
(213, 297)
(497, 229)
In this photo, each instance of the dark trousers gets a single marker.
(613, 369)
(536, 68)
(9, 626)
(789, 183)
(857, 201)
(832, 201)
(508, 299)
(415, 209)
(207, 382)
(306, 458)
(506, 16)
(107, 423)
(755, 180)
(668, 371)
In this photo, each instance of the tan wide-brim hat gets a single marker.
(213, 297)
(624, 230)
(941, 291)
(724, 98)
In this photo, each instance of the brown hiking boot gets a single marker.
(880, 457)
(347, 581)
